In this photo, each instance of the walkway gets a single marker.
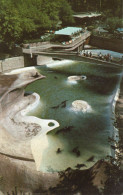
(70, 47)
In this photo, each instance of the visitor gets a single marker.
(100, 56)
(105, 57)
(86, 53)
(122, 60)
(90, 54)
(110, 58)
(108, 55)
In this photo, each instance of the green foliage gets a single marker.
(9, 22)
(65, 13)
(20, 19)
(114, 6)
(113, 23)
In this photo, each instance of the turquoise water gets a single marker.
(88, 132)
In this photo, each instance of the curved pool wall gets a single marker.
(87, 132)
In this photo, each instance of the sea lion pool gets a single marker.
(83, 136)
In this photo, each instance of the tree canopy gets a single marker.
(113, 23)
(114, 7)
(20, 19)
(26, 19)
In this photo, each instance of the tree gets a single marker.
(20, 19)
(65, 13)
(113, 23)
(115, 6)
(10, 29)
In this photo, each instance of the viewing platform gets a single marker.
(72, 45)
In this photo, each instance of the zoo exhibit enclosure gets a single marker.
(83, 134)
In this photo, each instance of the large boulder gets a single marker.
(80, 105)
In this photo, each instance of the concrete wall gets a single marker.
(0, 65)
(87, 41)
(42, 60)
(11, 63)
(106, 43)
(28, 61)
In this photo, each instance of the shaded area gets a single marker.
(6, 82)
(102, 178)
(119, 125)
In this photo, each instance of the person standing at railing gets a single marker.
(100, 56)
(84, 53)
(90, 54)
(122, 60)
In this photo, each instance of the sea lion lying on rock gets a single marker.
(76, 78)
